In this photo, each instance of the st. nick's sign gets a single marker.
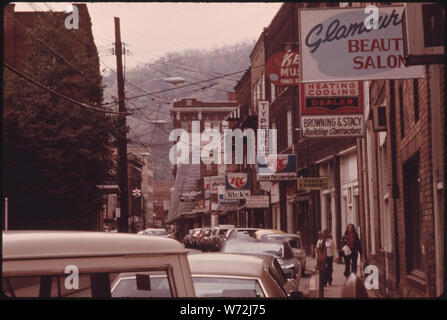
(335, 45)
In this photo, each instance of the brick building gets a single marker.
(188, 211)
(16, 24)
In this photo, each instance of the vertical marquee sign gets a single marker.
(335, 45)
(263, 123)
(332, 109)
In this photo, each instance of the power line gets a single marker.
(186, 85)
(42, 86)
(53, 50)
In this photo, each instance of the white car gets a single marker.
(49, 264)
(296, 244)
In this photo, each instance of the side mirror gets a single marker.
(296, 294)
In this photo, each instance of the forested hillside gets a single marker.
(191, 65)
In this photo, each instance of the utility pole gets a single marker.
(123, 223)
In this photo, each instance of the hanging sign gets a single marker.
(336, 45)
(332, 109)
(283, 69)
(237, 186)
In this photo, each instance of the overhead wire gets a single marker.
(69, 99)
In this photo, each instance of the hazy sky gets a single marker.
(155, 28)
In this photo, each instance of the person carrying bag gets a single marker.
(320, 252)
(351, 249)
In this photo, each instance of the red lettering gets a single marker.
(358, 63)
(353, 45)
(363, 45)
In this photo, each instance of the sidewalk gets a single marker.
(338, 279)
(309, 283)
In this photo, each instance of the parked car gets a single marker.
(195, 237)
(214, 275)
(187, 240)
(157, 232)
(281, 250)
(38, 263)
(228, 275)
(204, 241)
(296, 244)
(217, 237)
(262, 232)
(241, 233)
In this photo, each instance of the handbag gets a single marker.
(321, 258)
(346, 250)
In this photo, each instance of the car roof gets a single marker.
(242, 241)
(55, 244)
(283, 235)
(227, 264)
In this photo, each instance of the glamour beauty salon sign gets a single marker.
(336, 45)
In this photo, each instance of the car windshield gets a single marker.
(273, 249)
(207, 232)
(215, 286)
(294, 242)
(222, 232)
(156, 232)
(245, 234)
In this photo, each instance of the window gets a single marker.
(401, 112)
(102, 285)
(214, 286)
(416, 99)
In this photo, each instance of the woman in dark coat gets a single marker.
(351, 240)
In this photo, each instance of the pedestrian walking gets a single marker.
(331, 254)
(351, 249)
(320, 251)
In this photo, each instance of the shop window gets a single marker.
(401, 112)
(416, 99)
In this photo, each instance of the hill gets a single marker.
(191, 65)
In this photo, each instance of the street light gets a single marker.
(172, 80)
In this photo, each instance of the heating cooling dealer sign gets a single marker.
(336, 46)
(332, 109)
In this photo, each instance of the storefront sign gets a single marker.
(312, 184)
(257, 202)
(223, 200)
(335, 45)
(332, 109)
(276, 167)
(166, 205)
(237, 185)
(283, 69)
(190, 196)
(215, 182)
